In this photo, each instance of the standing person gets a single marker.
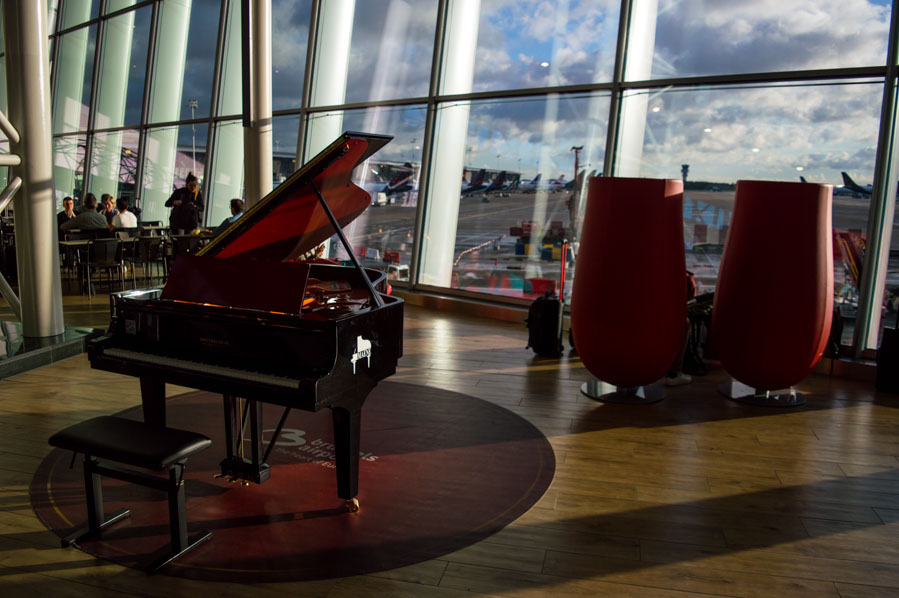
(108, 209)
(68, 212)
(186, 204)
(123, 218)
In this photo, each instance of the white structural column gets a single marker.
(632, 124)
(329, 74)
(258, 135)
(40, 291)
(450, 134)
(112, 91)
(166, 84)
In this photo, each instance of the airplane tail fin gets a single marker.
(848, 182)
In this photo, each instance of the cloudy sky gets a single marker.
(725, 134)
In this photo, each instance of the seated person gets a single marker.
(237, 207)
(68, 212)
(108, 207)
(88, 219)
(123, 217)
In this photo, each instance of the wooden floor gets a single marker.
(694, 496)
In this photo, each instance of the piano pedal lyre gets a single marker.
(352, 505)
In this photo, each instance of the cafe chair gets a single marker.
(104, 255)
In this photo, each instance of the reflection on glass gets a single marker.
(285, 130)
(230, 98)
(114, 5)
(200, 62)
(382, 236)
(391, 50)
(114, 164)
(75, 12)
(227, 180)
(171, 153)
(890, 309)
(184, 63)
(712, 138)
(695, 37)
(68, 168)
(520, 193)
(290, 33)
(72, 87)
(541, 44)
(123, 59)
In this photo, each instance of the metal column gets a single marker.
(40, 290)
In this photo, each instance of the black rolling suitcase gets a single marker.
(545, 319)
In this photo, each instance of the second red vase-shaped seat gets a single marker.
(774, 296)
(628, 304)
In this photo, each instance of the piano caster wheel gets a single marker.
(352, 505)
(245, 482)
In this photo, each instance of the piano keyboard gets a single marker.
(204, 368)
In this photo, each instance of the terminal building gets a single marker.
(502, 116)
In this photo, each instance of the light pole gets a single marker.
(193, 106)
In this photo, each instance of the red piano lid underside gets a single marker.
(290, 221)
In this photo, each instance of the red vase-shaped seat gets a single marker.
(774, 297)
(628, 304)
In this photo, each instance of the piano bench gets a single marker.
(135, 444)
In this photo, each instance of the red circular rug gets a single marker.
(439, 471)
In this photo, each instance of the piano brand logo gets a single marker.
(363, 351)
(214, 342)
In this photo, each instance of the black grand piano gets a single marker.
(247, 317)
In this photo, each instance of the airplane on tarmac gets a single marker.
(530, 186)
(864, 190)
(497, 184)
(476, 184)
(557, 184)
(512, 185)
(837, 190)
(402, 181)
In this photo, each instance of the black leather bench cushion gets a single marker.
(130, 442)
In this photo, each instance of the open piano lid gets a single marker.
(290, 221)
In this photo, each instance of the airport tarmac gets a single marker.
(495, 268)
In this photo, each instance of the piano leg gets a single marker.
(235, 466)
(152, 396)
(347, 426)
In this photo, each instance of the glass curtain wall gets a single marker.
(501, 111)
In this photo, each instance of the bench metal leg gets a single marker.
(96, 520)
(178, 525)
